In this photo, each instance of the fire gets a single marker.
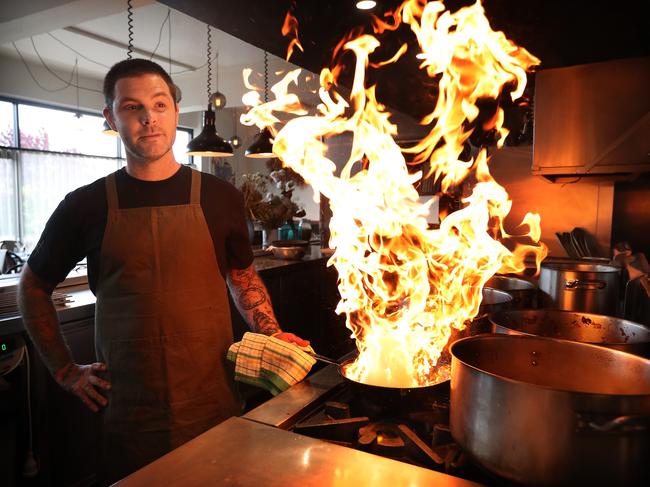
(290, 29)
(405, 287)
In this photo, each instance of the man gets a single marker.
(161, 241)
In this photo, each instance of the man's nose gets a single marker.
(149, 117)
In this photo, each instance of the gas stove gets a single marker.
(326, 407)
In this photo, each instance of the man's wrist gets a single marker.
(62, 372)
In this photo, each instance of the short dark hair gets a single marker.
(134, 67)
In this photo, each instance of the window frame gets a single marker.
(119, 158)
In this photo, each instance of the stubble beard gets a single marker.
(141, 156)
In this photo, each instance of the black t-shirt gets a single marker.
(76, 228)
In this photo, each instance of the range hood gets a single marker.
(593, 120)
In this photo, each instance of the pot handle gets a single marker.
(620, 424)
(573, 284)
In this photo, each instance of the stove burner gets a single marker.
(382, 439)
(416, 432)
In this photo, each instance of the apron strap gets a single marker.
(195, 193)
(111, 192)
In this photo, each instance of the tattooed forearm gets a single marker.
(252, 297)
(264, 324)
(252, 300)
(41, 321)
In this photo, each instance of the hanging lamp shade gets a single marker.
(218, 100)
(106, 129)
(208, 143)
(262, 147)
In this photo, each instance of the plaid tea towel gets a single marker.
(268, 362)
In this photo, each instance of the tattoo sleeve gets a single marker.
(41, 321)
(252, 300)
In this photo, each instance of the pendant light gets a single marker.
(208, 143)
(235, 140)
(262, 147)
(106, 129)
(366, 4)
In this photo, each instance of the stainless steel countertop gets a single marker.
(283, 410)
(240, 452)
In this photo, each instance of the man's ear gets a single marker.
(108, 115)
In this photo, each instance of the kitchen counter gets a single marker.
(240, 452)
(269, 264)
(82, 303)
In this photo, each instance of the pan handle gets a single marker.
(574, 284)
(620, 424)
(322, 358)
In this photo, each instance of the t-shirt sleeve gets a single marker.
(238, 247)
(60, 246)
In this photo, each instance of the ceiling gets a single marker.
(559, 32)
(93, 33)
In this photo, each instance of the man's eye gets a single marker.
(130, 107)
(162, 105)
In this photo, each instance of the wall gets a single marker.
(561, 206)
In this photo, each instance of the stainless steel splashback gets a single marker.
(593, 119)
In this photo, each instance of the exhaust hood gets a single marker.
(593, 120)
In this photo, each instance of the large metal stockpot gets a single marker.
(524, 293)
(542, 411)
(606, 331)
(576, 285)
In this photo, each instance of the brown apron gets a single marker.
(163, 329)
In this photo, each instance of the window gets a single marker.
(8, 197)
(7, 124)
(58, 151)
(63, 131)
(183, 137)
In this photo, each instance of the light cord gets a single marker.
(129, 16)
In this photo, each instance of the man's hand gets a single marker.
(291, 338)
(82, 381)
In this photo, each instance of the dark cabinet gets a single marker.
(65, 432)
(304, 299)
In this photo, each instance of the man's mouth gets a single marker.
(150, 136)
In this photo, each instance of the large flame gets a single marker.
(405, 287)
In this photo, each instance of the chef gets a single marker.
(162, 242)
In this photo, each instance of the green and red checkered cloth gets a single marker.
(268, 362)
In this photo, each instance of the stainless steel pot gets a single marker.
(576, 285)
(492, 300)
(606, 331)
(542, 411)
(524, 293)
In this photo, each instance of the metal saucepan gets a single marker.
(607, 331)
(493, 300)
(382, 400)
(395, 399)
(524, 293)
(542, 411)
